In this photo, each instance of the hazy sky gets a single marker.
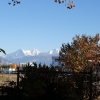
(44, 24)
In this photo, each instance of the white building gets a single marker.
(8, 70)
(24, 64)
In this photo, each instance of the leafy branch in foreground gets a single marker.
(1, 50)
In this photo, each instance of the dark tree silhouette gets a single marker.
(1, 50)
(43, 82)
(14, 2)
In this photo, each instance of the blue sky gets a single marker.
(44, 24)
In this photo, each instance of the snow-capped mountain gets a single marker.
(17, 54)
(22, 53)
(54, 51)
(35, 52)
(30, 52)
(22, 56)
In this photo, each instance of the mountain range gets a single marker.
(24, 56)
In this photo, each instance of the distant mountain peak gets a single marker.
(23, 56)
(35, 52)
(54, 51)
(22, 53)
(20, 49)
